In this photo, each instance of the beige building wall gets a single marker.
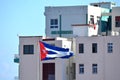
(112, 64)
(108, 63)
(29, 63)
(88, 58)
(31, 67)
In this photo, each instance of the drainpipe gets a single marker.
(60, 23)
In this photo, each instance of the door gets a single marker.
(48, 71)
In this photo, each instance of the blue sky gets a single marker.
(24, 18)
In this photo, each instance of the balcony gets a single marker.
(16, 78)
(16, 58)
(85, 29)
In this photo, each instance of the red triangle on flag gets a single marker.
(43, 51)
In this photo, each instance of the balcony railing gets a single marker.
(16, 78)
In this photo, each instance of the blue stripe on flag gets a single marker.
(51, 52)
(48, 58)
(55, 48)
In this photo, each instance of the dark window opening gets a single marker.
(94, 48)
(117, 21)
(54, 23)
(81, 48)
(110, 47)
(28, 49)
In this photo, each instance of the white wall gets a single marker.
(80, 30)
(93, 31)
(85, 30)
(115, 12)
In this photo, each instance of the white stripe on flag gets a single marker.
(58, 52)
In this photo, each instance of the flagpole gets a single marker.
(69, 68)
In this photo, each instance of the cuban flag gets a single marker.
(48, 51)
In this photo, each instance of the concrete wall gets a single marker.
(95, 11)
(31, 67)
(108, 63)
(108, 5)
(29, 63)
(93, 30)
(69, 15)
(88, 58)
(112, 64)
(115, 12)
(85, 30)
(80, 30)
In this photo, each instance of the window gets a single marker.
(94, 48)
(81, 68)
(81, 48)
(28, 49)
(110, 47)
(94, 68)
(117, 21)
(54, 23)
(91, 19)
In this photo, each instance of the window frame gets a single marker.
(117, 21)
(81, 48)
(94, 68)
(110, 47)
(92, 21)
(54, 23)
(94, 47)
(28, 49)
(81, 68)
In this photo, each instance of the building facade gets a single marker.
(86, 30)
(94, 58)
(59, 20)
(97, 58)
(32, 68)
